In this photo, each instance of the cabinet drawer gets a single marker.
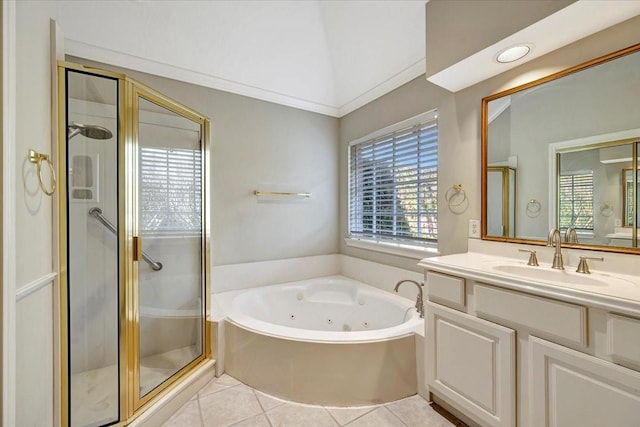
(545, 317)
(623, 340)
(446, 290)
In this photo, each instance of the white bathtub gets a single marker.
(329, 309)
(329, 341)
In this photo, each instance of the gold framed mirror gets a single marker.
(567, 136)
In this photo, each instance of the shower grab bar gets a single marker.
(97, 214)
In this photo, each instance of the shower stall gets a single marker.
(133, 207)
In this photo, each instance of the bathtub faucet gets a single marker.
(419, 305)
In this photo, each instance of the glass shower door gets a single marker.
(133, 245)
(170, 225)
(92, 275)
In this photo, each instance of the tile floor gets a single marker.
(227, 402)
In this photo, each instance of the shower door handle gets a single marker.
(137, 248)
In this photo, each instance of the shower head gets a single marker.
(89, 131)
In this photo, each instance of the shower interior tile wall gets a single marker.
(93, 275)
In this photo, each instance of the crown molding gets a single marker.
(124, 60)
(415, 70)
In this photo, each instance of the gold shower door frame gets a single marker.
(129, 92)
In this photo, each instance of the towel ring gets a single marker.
(606, 210)
(37, 159)
(454, 192)
(533, 207)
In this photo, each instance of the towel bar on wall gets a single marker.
(259, 193)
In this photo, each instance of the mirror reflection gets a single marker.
(501, 193)
(628, 196)
(590, 198)
(560, 153)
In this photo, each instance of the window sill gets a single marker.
(407, 251)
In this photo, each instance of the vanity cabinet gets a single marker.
(472, 365)
(508, 356)
(570, 388)
(623, 340)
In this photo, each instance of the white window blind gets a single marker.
(394, 185)
(576, 201)
(171, 189)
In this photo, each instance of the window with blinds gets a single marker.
(576, 201)
(170, 190)
(393, 183)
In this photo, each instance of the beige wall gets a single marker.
(260, 145)
(456, 29)
(459, 131)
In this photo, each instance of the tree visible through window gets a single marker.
(394, 185)
(171, 189)
(576, 200)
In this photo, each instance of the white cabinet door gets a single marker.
(471, 365)
(570, 389)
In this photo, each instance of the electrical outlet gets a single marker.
(474, 228)
(618, 222)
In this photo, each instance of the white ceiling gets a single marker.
(330, 57)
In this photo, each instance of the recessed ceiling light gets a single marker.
(514, 53)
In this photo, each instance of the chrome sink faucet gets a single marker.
(555, 239)
(419, 304)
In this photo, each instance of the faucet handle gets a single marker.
(583, 267)
(533, 258)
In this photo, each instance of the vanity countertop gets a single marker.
(602, 289)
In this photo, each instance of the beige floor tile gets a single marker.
(267, 402)
(380, 417)
(346, 415)
(229, 406)
(217, 384)
(187, 416)
(415, 411)
(289, 415)
(257, 421)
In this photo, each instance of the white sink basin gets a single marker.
(560, 276)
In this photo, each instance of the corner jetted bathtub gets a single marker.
(327, 341)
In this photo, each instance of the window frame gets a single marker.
(197, 156)
(573, 174)
(415, 248)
